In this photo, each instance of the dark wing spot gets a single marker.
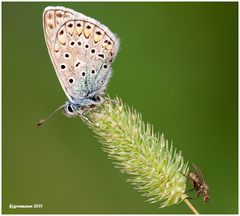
(49, 16)
(61, 32)
(70, 80)
(63, 66)
(70, 25)
(98, 33)
(101, 55)
(59, 15)
(79, 43)
(67, 55)
(105, 66)
(77, 64)
(109, 43)
(86, 46)
(93, 71)
(83, 73)
(92, 50)
(88, 27)
(78, 25)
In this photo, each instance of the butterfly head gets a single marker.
(70, 109)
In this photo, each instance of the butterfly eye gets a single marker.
(70, 109)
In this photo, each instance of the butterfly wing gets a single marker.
(82, 51)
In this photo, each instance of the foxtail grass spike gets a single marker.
(153, 165)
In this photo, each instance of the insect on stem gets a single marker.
(199, 185)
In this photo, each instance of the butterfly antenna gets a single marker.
(45, 119)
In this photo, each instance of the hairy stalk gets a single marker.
(151, 162)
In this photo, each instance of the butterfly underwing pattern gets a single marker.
(82, 51)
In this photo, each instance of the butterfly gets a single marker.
(82, 51)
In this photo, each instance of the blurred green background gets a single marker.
(177, 65)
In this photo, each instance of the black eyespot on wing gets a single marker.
(61, 32)
(105, 66)
(63, 66)
(83, 74)
(93, 71)
(77, 64)
(101, 55)
(98, 33)
(79, 43)
(70, 80)
(78, 25)
(88, 26)
(67, 55)
(86, 46)
(92, 50)
(70, 25)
